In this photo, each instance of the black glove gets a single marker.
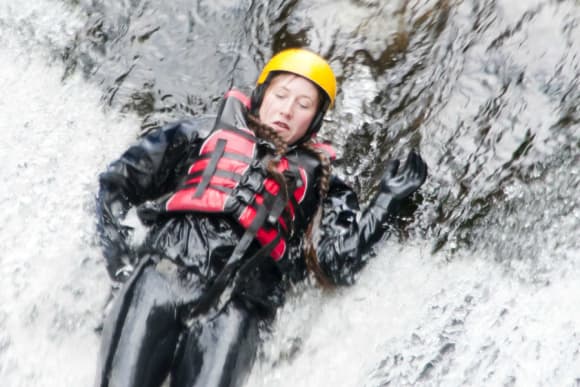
(395, 187)
(398, 185)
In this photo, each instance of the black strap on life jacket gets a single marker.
(226, 277)
(211, 167)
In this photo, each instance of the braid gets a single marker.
(324, 161)
(268, 133)
(310, 253)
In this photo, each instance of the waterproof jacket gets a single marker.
(202, 242)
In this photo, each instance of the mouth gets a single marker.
(281, 125)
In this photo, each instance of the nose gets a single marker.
(287, 107)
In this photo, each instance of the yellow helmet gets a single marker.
(308, 65)
(305, 63)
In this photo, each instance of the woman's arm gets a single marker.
(347, 234)
(145, 171)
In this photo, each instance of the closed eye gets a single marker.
(305, 103)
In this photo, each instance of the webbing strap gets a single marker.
(211, 167)
(229, 155)
(277, 208)
(220, 172)
(224, 278)
(220, 188)
(292, 178)
(257, 258)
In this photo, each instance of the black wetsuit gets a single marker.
(149, 332)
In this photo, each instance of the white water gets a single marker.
(55, 140)
(477, 323)
(407, 306)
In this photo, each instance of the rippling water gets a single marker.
(478, 288)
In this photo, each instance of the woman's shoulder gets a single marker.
(200, 125)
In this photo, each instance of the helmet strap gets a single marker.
(316, 121)
(257, 97)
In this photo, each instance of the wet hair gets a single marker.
(310, 254)
(268, 133)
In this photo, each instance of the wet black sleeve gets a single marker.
(347, 234)
(145, 171)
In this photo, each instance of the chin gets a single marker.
(284, 135)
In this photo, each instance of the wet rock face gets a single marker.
(485, 90)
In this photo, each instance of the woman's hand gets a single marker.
(401, 184)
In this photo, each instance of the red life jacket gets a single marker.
(229, 177)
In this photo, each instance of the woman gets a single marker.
(231, 217)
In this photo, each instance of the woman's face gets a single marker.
(289, 105)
